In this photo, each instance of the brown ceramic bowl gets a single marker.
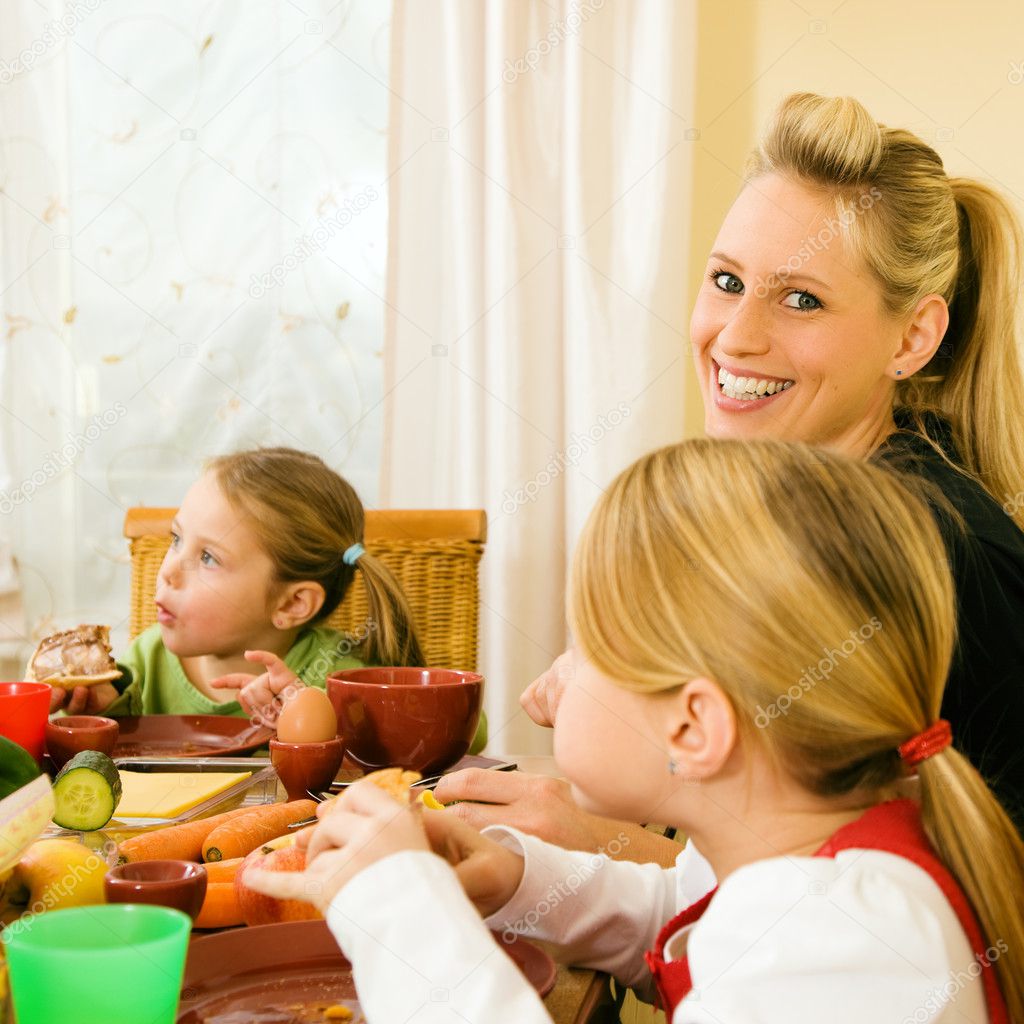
(421, 719)
(66, 737)
(180, 884)
(306, 767)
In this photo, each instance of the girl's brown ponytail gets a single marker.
(307, 518)
(391, 636)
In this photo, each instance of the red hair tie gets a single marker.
(933, 740)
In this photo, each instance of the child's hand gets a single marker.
(82, 700)
(262, 696)
(362, 826)
(489, 873)
(365, 825)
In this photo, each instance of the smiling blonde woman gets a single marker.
(859, 299)
(877, 299)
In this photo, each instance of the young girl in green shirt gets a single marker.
(264, 547)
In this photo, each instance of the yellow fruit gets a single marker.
(57, 873)
(430, 801)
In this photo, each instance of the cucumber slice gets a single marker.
(86, 792)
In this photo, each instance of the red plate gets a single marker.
(188, 736)
(287, 973)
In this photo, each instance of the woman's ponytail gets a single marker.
(975, 377)
(391, 634)
(977, 841)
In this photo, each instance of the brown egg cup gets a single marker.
(306, 767)
(179, 884)
(68, 736)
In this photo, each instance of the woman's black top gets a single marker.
(984, 698)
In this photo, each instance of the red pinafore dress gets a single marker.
(893, 827)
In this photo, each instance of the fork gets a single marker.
(428, 783)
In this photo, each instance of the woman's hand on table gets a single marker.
(82, 700)
(365, 825)
(541, 698)
(536, 804)
(544, 807)
(261, 696)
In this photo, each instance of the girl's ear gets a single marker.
(296, 604)
(702, 729)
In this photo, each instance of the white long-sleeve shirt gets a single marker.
(862, 937)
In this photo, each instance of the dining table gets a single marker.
(579, 995)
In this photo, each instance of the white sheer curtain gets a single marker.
(193, 209)
(536, 328)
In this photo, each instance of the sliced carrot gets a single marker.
(220, 907)
(224, 870)
(175, 842)
(237, 838)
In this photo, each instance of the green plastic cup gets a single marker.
(116, 964)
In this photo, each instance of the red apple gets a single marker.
(255, 907)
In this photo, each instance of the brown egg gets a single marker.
(307, 718)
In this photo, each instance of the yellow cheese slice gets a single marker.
(168, 794)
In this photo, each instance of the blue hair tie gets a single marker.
(353, 554)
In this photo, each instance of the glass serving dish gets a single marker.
(261, 787)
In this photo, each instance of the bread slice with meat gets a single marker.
(75, 657)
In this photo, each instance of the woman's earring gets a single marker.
(899, 373)
(672, 766)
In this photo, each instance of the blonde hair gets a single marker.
(305, 517)
(919, 232)
(735, 561)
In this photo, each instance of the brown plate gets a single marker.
(188, 736)
(287, 973)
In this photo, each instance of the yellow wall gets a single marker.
(952, 72)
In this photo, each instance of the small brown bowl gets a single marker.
(421, 719)
(66, 737)
(306, 767)
(179, 884)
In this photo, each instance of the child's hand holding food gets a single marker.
(368, 823)
(359, 828)
(262, 696)
(83, 700)
(79, 667)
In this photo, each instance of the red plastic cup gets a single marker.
(24, 709)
